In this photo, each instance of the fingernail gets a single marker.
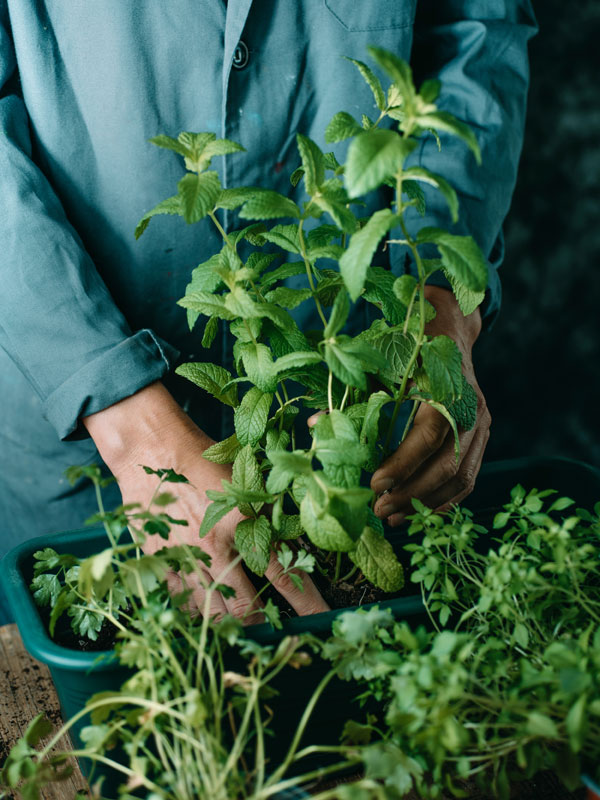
(381, 485)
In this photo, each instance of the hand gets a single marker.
(424, 465)
(149, 428)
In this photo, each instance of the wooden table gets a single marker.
(26, 689)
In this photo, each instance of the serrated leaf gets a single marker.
(290, 527)
(373, 156)
(253, 540)
(444, 121)
(398, 70)
(415, 193)
(296, 360)
(172, 205)
(284, 236)
(198, 194)
(223, 452)
(215, 512)
(376, 558)
(168, 143)
(289, 298)
(211, 305)
(461, 257)
(338, 316)
(442, 362)
(46, 589)
(397, 349)
(312, 162)
(322, 529)
(210, 331)
(464, 409)
(286, 467)
(247, 476)
(345, 366)
(233, 198)
(267, 204)
(426, 176)
(372, 82)
(342, 126)
(281, 273)
(404, 288)
(212, 378)
(355, 262)
(258, 364)
(338, 212)
(251, 416)
(221, 147)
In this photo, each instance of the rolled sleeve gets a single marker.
(117, 373)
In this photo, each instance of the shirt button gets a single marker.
(241, 55)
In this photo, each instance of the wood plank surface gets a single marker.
(26, 688)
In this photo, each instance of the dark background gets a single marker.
(539, 365)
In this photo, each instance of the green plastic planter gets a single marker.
(78, 675)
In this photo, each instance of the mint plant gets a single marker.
(362, 381)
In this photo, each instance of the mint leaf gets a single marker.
(461, 257)
(258, 363)
(372, 82)
(223, 452)
(294, 361)
(397, 349)
(282, 272)
(399, 71)
(342, 126)
(286, 467)
(363, 244)
(375, 556)
(442, 362)
(284, 236)
(199, 194)
(373, 156)
(345, 366)
(247, 476)
(172, 205)
(210, 330)
(214, 512)
(233, 198)
(211, 305)
(338, 316)
(253, 540)
(425, 176)
(323, 530)
(290, 298)
(444, 121)
(267, 204)
(251, 416)
(464, 409)
(467, 299)
(404, 288)
(212, 378)
(312, 162)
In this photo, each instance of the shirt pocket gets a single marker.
(372, 15)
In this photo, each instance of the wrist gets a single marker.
(141, 427)
(450, 320)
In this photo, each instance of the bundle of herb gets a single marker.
(513, 687)
(363, 380)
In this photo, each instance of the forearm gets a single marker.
(450, 320)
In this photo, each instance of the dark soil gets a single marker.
(65, 636)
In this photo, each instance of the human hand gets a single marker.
(424, 465)
(150, 428)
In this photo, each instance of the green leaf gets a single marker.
(233, 198)
(397, 349)
(289, 298)
(338, 316)
(425, 176)
(398, 70)
(199, 194)
(37, 729)
(321, 236)
(212, 378)
(172, 205)
(221, 147)
(293, 361)
(442, 362)
(461, 257)
(464, 409)
(374, 156)
(337, 210)
(577, 724)
(258, 364)
(404, 288)
(85, 622)
(253, 540)
(46, 589)
(323, 530)
(416, 195)
(342, 126)
(210, 331)
(312, 162)
(430, 90)
(284, 236)
(211, 305)
(251, 416)
(375, 556)
(372, 82)
(286, 467)
(345, 366)
(247, 476)
(223, 452)
(290, 527)
(215, 512)
(281, 273)
(267, 204)
(541, 725)
(363, 244)
(467, 299)
(177, 146)
(444, 121)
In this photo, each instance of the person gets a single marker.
(89, 326)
